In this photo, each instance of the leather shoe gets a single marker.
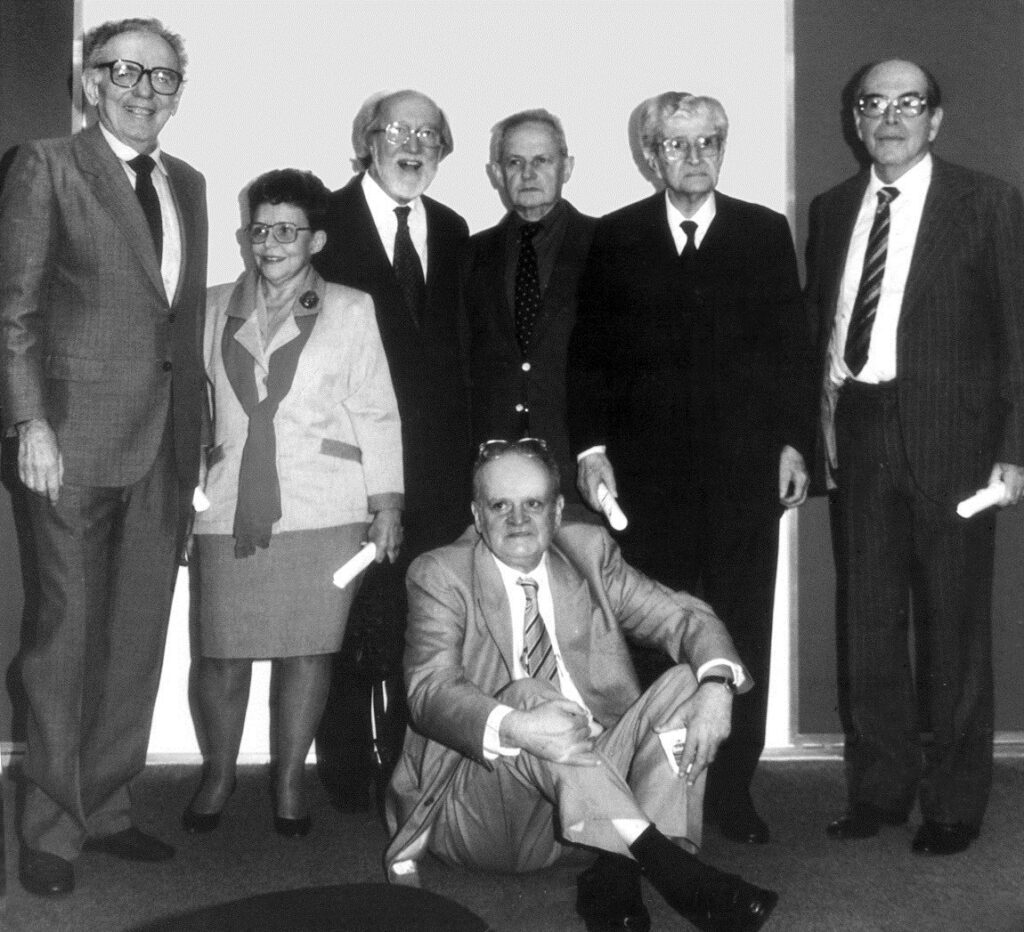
(937, 838)
(292, 828)
(609, 898)
(862, 821)
(45, 874)
(131, 844)
(731, 905)
(744, 825)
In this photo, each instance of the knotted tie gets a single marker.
(527, 293)
(689, 254)
(143, 166)
(408, 269)
(858, 335)
(538, 655)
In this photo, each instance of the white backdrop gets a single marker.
(275, 84)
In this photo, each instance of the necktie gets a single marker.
(538, 655)
(143, 166)
(689, 254)
(858, 335)
(408, 269)
(527, 293)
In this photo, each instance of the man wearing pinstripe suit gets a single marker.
(916, 278)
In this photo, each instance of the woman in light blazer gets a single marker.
(305, 465)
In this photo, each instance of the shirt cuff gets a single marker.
(738, 676)
(493, 748)
(599, 448)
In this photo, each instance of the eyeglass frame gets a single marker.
(531, 447)
(702, 146)
(409, 132)
(273, 228)
(894, 102)
(143, 72)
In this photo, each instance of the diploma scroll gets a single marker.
(350, 570)
(611, 508)
(980, 500)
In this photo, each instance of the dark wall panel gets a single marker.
(976, 51)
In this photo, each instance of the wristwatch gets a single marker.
(726, 681)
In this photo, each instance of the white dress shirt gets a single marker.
(382, 209)
(170, 262)
(705, 214)
(904, 221)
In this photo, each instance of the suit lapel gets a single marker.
(493, 263)
(186, 198)
(110, 185)
(838, 244)
(573, 620)
(491, 602)
(564, 276)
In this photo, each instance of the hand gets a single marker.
(557, 730)
(386, 532)
(793, 478)
(40, 464)
(1013, 478)
(592, 470)
(706, 715)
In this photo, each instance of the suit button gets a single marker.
(526, 367)
(520, 407)
(166, 365)
(171, 318)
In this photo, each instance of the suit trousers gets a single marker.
(901, 544)
(525, 813)
(107, 564)
(726, 552)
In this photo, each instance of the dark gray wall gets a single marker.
(976, 51)
(35, 101)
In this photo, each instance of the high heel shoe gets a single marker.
(200, 823)
(292, 828)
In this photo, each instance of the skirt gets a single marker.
(279, 602)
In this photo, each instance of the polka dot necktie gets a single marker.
(407, 266)
(527, 292)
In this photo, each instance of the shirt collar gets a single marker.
(381, 203)
(510, 575)
(126, 153)
(913, 182)
(545, 222)
(705, 214)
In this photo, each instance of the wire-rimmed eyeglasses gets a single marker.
(125, 73)
(877, 105)
(398, 134)
(678, 148)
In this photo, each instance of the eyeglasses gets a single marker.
(877, 105)
(527, 446)
(126, 73)
(679, 147)
(284, 232)
(398, 134)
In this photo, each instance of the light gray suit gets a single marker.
(91, 344)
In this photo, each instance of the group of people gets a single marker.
(551, 690)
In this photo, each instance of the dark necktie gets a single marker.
(527, 293)
(408, 269)
(143, 167)
(538, 655)
(858, 335)
(688, 257)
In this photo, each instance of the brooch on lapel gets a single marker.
(309, 299)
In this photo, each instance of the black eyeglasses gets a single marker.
(284, 232)
(876, 105)
(126, 73)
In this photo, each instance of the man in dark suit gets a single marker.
(530, 734)
(520, 289)
(385, 237)
(916, 277)
(103, 250)
(690, 375)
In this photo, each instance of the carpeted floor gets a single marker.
(868, 886)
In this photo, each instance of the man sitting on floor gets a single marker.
(529, 733)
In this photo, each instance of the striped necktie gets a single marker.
(858, 335)
(538, 655)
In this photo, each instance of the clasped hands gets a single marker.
(558, 730)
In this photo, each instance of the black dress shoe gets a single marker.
(937, 838)
(131, 844)
(608, 896)
(45, 874)
(199, 823)
(292, 828)
(744, 825)
(731, 905)
(862, 821)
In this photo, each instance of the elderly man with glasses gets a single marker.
(387, 238)
(531, 738)
(915, 274)
(690, 397)
(103, 251)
